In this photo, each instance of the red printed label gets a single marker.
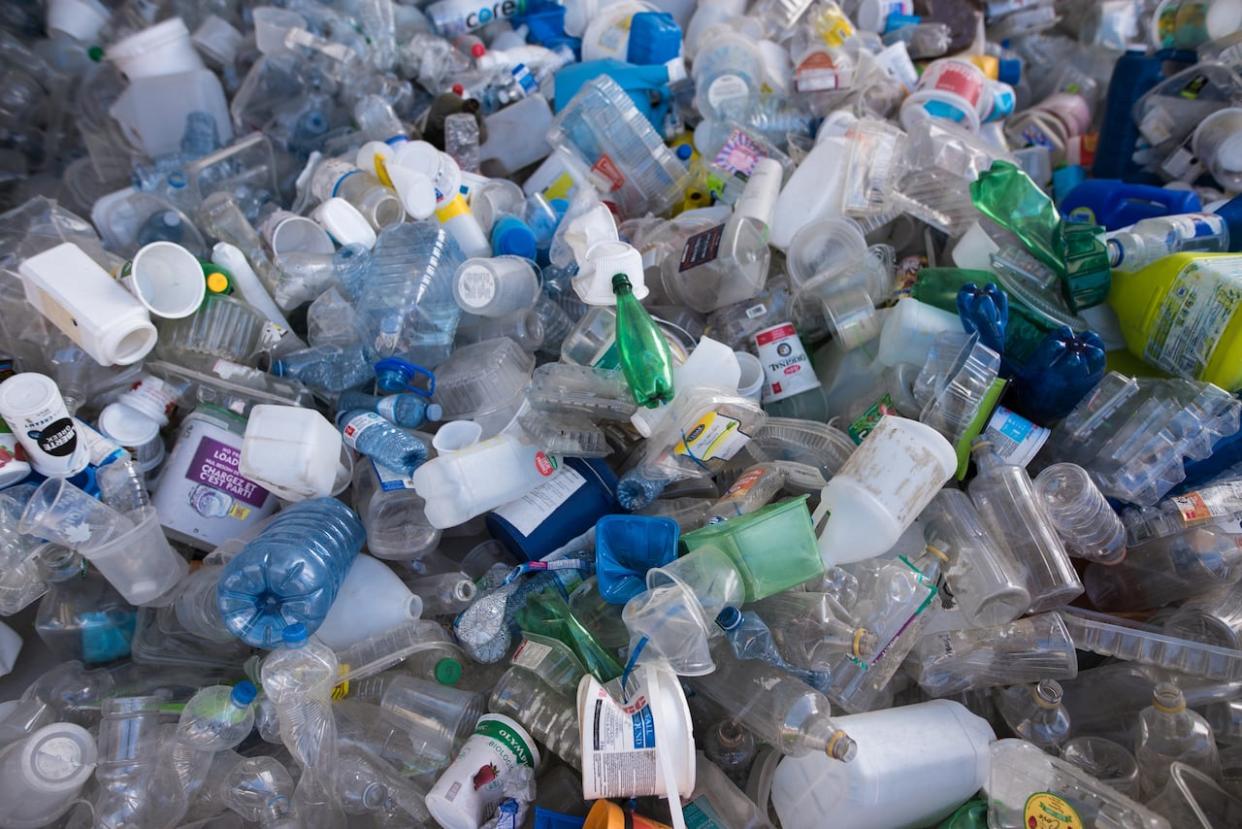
(960, 79)
(608, 169)
(544, 464)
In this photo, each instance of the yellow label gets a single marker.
(712, 436)
(239, 511)
(341, 690)
(1045, 810)
(559, 189)
(381, 172)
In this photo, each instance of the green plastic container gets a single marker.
(773, 548)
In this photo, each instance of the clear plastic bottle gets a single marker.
(392, 514)
(444, 594)
(549, 716)
(780, 709)
(216, 718)
(409, 411)
(732, 748)
(1035, 713)
(1168, 732)
(1165, 570)
(1011, 509)
(330, 369)
(406, 305)
(812, 630)
(135, 790)
(261, 791)
(298, 678)
(987, 582)
(290, 572)
(754, 488)
(378, 439)
(751, 638)
(1134, 248)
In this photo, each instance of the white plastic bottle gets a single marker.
(881, 489)
(470, 477)
(372, 599)
(1134, 248)
(915, 764)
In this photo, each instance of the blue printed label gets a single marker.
(644, 728)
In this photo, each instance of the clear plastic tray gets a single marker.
(482, 377)
(1148, 645)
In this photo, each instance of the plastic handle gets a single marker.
(406, 371)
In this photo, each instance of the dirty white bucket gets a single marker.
(470, 789)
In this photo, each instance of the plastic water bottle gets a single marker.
(216, 718)
(298, 678)
(1035, 713)
(731, 747)
(1135, 247)
(752, 639)
(326, 368)
(381, 441)
(260, 789)
(290, 573)
(549, 716)
(409, 411)
(407, 306)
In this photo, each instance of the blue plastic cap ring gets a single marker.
(729, 618)
(295, 634)
(244, 693)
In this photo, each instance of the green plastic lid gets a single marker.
(448, 671)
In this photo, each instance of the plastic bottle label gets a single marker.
(865, 422)
(49, 437)
(1194, 315)
(391, 479)
(744, 484)
(530, 655)
(533, 508)
(712, 436)
(701, 248)
(699, 814)
(1211, 502)
(818, 72)
(359, 423)
(12, 470)
(477, 286)
(619, 757)
(786, 366)
(739, 154)
(1045, 810)
(607, 168)
(1016, 439)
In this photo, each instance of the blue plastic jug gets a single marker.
(1133, 76)
(1115, 204)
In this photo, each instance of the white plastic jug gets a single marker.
(812, 192)
(294, 452)
(915, 765)
(471, 477)
(372, 599)
(881, 489)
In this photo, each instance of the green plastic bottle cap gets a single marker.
(448, 671)
(95, 53)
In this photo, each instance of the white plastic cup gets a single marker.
(750, 385)
(1217, 143)
(162, 49)
(495, 286)
(286, 232)
(167, 279)
(139, 562)
(467, 793)
(881, 489)
(910, 329)
(80, 19)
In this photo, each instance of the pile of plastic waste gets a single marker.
(621, 414)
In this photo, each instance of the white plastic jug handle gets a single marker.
(671, 789)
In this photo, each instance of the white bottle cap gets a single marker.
(343, 221)
(127, 426)
(417, 193)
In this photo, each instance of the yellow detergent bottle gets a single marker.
(1180, 314)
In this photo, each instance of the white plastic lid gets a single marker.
(417, 193)
(343, 221)
(58, 758)
(80, 19)
(127, 426)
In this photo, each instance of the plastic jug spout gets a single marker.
(456, 436)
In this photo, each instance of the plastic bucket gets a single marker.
(162, 49)
(167, 279)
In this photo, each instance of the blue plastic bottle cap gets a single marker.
(295, 634)
(684, 151)
(511, 237)
(1009, 71)
(244, 692)
(433, 413)
(729, 618)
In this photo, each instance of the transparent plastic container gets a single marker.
(1106, 761)
(1168, 733)
(596, 393)
(484, 382)
(223, 327)
(548, 715)
(953, 382)
(1148, 645)
(603, 130)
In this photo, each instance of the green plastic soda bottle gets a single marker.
(646, 360)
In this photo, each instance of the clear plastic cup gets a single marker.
(1106, 761)
(822, 250)
(139, 563)
(1081, 514)
(437, 717)
(61, 512)
(851, 316)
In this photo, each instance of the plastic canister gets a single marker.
(949, 88)
(135, 432)
(41, 775)
(202, 497)
(294, 452)
(557, 511)
(162, 49)
(642, 746)
(467, 793)
(915, 764)
(881, 489)
(1117, 204)
(32, 406)
(87, 305)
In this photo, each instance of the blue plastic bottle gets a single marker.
(1063, 368)
(326, 368)
(290, 572)
(407, 410)
(751, 638)
(1116, 204)
(381, 441)
(512, 237)
(985, 311)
